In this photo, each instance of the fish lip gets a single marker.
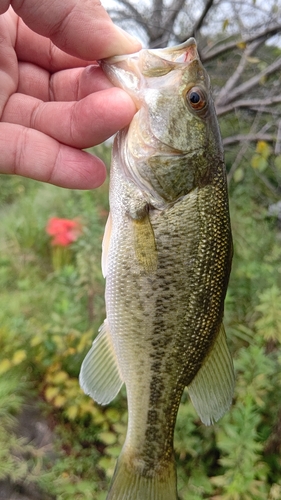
(169, 52)
(117, 59)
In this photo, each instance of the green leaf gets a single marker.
(263, 149)
(259, 162)
(113, 451)
(238, 175)
(107, 437)
(277, 162)
(253, 60)
(225, 24)
(269, 324)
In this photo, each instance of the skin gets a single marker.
(54, 99)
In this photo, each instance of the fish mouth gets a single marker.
(129, 71)
(184, 52)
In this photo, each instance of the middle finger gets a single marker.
(81, 124)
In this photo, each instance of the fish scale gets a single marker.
(166, 257)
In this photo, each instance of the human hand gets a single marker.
(52, 103)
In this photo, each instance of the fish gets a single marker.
(166, 258)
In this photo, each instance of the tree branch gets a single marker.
(234, 78)
(248, 103)
(237, 161)
(157, 15)
(252, 82)
(250, 138)
(278, 140)
(201, 19)
(211, 53)
(134, 13)
(172, 14)
(241, 153)
(267, 183)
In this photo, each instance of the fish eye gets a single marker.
(196, 98)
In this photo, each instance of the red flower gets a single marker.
(63, 231)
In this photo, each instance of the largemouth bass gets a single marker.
(167, 253)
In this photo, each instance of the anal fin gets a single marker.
(100, 376)
(211, 391)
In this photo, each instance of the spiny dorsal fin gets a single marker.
(211, 390)
(100, 376)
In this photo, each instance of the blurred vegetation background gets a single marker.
(55, 442)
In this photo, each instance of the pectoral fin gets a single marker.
(105, 245)
(211, 390)
(144, 243)
(100, 376)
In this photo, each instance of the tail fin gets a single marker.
(130, 484)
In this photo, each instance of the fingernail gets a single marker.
(130, 38)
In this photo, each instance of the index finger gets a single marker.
(81, 28)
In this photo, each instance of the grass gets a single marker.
(51, 308)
